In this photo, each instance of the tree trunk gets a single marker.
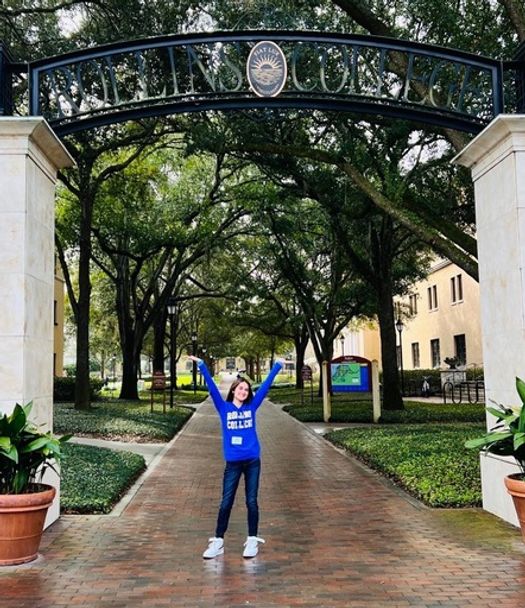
(159, 339)
(392, 399)
(82, 386)
(103, 365)
(327, 354)
(129, 389)
(301, 343)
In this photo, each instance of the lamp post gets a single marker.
(194, 353)
(400, 327)
(204, 358)
(342, 339)
(172, 310)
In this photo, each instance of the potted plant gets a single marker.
(25, 454)
(452, 362)
(507, 438)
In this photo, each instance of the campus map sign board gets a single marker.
(351, 374)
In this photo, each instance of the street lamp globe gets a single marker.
(172, 306)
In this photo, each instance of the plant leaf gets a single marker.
(12, 454)
(17, 420)
(487, 440)
(20, 481)
(519, 440)
(521, 420)
(506, 415)
(520, 387)
(36, 444)
(5, 443)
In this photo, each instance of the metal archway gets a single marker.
(197, 72)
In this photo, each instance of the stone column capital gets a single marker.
(503, 136)
(22, 133)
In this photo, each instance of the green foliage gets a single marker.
(64, 388)
(507, 436)
(94, 479)
(357, 407)
(25, 452)
(115, 420)
(187, 396)
(429, 461)
(70, 370)
(474, 373)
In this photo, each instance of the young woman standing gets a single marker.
(241, 452)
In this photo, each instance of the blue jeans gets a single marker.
(232, 475)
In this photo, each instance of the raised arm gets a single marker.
(212, 387)
(262, 391)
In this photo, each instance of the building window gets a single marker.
(432, 297)
(460, 348)
(415, 354)
(412, 304)
(456, 288)
(435, 355)
(55, 318)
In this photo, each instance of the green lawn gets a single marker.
(124, 421)
(429, 461)
(357, 407)
(94, 479)
(419, 448)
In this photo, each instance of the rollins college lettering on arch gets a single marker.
(172, 74)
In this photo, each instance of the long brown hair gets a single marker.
(234, 385)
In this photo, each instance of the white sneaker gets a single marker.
(251, 546)
(215, 548)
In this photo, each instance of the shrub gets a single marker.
(64, 388)
(475, 373)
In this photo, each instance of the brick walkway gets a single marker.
(336, 536)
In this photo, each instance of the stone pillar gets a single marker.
(30, 157)
(497, 160)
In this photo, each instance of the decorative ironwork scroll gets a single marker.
(187, 73)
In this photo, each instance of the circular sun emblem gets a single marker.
(266, 69)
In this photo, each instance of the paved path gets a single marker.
(149, 451)
(336, 536)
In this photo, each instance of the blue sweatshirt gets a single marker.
(239, 430)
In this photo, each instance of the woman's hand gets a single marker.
(193, 358)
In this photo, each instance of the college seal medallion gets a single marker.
(266, 69)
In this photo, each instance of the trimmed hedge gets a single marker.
(94, 479)
(428, 461)
(64, 388)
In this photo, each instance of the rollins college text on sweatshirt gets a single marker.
(239, 430)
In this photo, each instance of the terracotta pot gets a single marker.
(515, 485)
(22, 519)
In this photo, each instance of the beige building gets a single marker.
(441, 319)
(360, 338)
